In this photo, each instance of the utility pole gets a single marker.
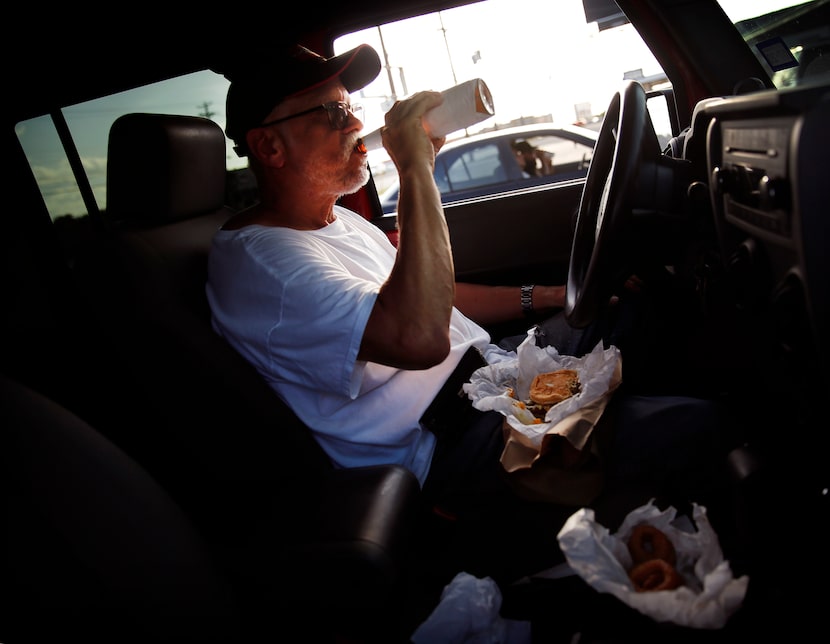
(205, 110)
(447, 45)
(388, 68)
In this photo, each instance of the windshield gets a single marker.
(790, 39)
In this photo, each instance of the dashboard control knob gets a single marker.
(774, 194)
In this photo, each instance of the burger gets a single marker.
(551, 388)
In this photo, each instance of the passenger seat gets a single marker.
(94, 549)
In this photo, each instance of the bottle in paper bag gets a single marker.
(464, 105)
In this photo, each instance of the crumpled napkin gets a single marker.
(468, 613)
(488, 386)
(710, 595)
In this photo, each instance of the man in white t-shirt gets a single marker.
(356, 336)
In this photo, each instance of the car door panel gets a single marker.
(515, 238)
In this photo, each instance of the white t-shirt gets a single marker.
(295, 303)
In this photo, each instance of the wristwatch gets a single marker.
(527, 299)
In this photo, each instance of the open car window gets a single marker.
(557, 154)
(564, 66)
(554, 69)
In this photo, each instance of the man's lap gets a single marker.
(660, 446)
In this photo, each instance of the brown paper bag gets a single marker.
(566, 468)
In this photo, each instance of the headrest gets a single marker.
(163, 168)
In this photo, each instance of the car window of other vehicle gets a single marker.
(470, 168)
(553, 154)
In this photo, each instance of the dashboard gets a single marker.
(767, 178)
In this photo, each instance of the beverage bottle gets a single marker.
(464, 105)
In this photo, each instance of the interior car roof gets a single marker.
(152, 46)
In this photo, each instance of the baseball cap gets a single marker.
(253, 93)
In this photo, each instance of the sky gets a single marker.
(533, 67)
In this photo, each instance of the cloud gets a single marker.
(60, 190)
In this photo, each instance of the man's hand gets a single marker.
(404, 136)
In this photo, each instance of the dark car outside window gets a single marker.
(507, 159)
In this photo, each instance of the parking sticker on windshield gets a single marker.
(777, 54)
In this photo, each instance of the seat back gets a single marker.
(94, 549)
(207, 417)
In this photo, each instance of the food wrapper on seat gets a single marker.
(710, 594)
(555, 460)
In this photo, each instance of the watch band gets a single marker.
(527, 298)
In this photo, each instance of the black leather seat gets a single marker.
(210, 428)
(94, 549)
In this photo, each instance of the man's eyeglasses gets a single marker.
(337, 111)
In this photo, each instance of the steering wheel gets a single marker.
(600, 254)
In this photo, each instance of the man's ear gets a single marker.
(266, 146)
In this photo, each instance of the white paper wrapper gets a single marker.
(710, 595)
(488, 386)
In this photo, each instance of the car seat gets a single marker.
(234, 455)
(95, 550)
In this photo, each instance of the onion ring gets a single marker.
(647, 542)
(654, 575)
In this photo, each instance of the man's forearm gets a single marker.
(492, 304)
